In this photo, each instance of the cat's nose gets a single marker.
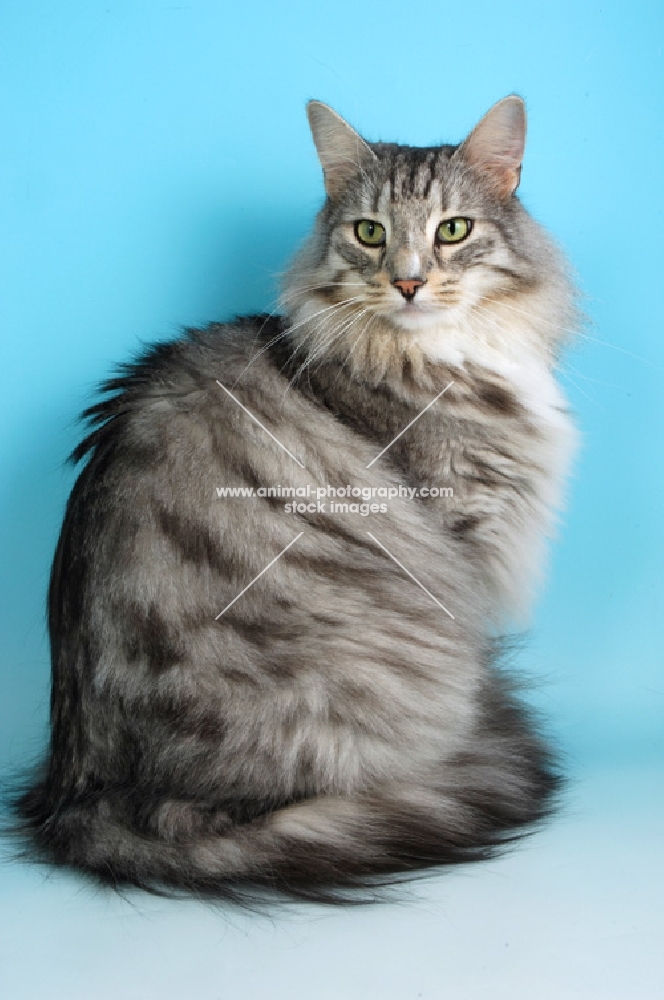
(408, 287)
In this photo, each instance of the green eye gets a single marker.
(370, 234)
(453, 230)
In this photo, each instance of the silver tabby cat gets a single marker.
(342, 723)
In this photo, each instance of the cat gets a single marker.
(261, 699)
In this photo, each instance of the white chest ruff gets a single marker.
(517, 540)
(508, 354)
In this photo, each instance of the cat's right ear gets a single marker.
(343, 153)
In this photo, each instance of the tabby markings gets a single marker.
(217, 617)
(408, 573)
(257, 421)
(428, 406)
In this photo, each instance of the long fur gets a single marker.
(335, 729)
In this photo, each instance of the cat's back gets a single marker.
(182, 377)
(159, 594)
(151, 517)
(172, 427)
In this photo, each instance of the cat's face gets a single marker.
(418, 241)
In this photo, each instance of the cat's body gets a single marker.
(335, 725)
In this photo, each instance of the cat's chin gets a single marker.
(416, 319)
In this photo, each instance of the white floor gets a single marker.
(577, 911)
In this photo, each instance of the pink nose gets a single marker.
(409, 287)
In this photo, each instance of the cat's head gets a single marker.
(423, 246)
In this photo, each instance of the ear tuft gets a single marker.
(343, 153)
(496, 145)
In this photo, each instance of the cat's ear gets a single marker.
(495, 146)
(342, 152)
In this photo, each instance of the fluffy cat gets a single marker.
(343, 723)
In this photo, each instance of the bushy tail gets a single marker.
(325, 849)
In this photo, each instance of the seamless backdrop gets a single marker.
(156, 170)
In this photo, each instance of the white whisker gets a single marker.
(289, 330)
(569, 378)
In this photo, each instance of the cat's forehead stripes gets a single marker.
(413, 172)
(407, 176)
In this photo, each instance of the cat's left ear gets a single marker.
(495, 147)
(343, 153)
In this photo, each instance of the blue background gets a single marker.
(156, 170)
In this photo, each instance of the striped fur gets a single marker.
(334, 730)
